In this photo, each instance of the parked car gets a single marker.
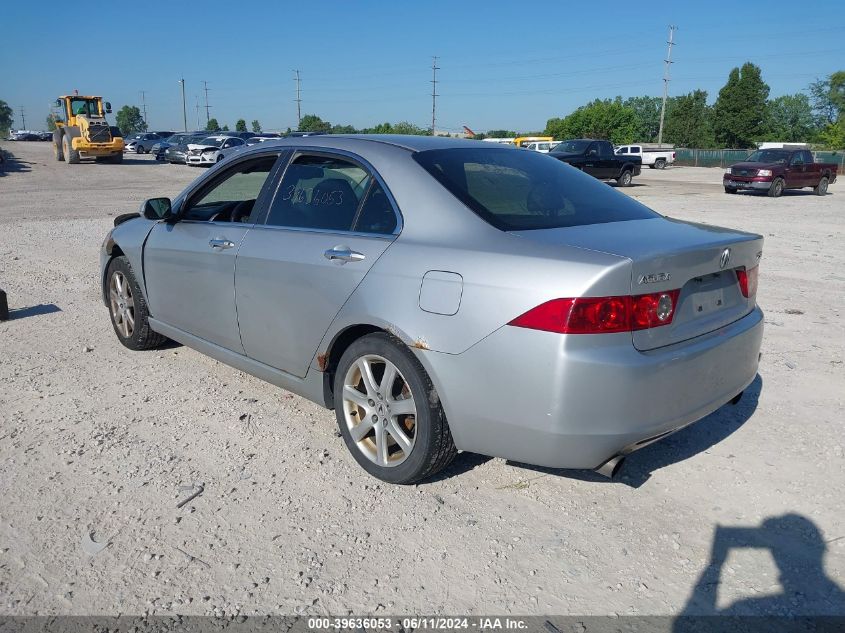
(178, 153)
(141, 143)
(773, 171)
(598, 159)
(25, 135)
(444, 295)
(544, 147)
(159, 148)
(212, 149)
(654, 157)
(260, 138)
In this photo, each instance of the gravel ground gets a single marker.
(97, 442)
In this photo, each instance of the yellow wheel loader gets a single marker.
(84, 132)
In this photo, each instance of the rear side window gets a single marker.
(517, 191)
(319, 192)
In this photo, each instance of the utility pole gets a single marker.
(298, 99)
(23, 118)
(666, 78)
(434, 95)
(184, 106)
(144, 106)
(197, 100)
(207, 115)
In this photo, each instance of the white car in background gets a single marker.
(655, 157)
(544, 147)
(212, 149)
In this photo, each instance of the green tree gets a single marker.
(51, 122)
(604, 119)
(648, 116)
(790, 118)
(5, 117)
(129, 120)
(828, 98)
(256, 126)
(689, 121)
(833, 135)
(225, 128)
(343, 129)
(240, 126)
(740, 110)
(313, 123)
(212, 126)
(405, 127)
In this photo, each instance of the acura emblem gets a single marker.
(724, 258)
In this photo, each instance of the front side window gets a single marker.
(319, 192)
(571, 147)
(769, 156)
(516, 191)
(231, 197)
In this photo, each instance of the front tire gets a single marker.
(730, 190)
(625, 178)
(821, 188)
(389, 413)
(71, 155)
(776, 188)
(128, 308)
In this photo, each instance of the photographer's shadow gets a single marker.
(797, 547)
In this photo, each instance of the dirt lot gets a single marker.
(97, 441)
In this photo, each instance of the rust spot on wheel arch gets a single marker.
(323, 361)
(420, 343)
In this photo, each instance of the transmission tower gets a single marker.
(434, 95)
(666, 78)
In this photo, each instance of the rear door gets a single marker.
(331, 218)
(189, 266)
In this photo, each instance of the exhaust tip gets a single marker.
(611, 466)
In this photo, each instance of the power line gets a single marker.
(434, 69)
(207, 114)
(298, 99)
(666, 78)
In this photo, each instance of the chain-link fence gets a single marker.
(692, 157)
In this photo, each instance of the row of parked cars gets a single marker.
(193, 148)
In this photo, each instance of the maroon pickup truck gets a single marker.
(775, 170)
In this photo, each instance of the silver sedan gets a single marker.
(445, 295)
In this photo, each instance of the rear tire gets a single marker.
(660, 163)
(71, 155)
(421, 427)
(776, 188)
(128, 308)
(625, 178)
(58, 150)
(821, 188)
(139, 149)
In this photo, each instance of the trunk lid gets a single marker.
(669, 254)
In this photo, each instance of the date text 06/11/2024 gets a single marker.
(413, 623)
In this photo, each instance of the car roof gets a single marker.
(351, 141)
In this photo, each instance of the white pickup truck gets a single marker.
(654, 157)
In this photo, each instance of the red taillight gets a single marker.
(747, 281)
(601, 315)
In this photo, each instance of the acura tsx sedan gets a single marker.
(445, 295)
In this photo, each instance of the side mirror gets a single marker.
(108, 107)
(157, 209)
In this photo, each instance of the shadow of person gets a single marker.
(798, 549)
(692, 440)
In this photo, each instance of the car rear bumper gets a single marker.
(576, 401)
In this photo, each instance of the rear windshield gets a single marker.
(517, 190)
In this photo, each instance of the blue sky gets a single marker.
(503, 64)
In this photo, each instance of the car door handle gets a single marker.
(221, 244)
(341, 253)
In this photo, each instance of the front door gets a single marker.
(330, 220)
(189, 266)
(796, 171)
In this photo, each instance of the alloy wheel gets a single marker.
(379, 410)
(122, 304)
